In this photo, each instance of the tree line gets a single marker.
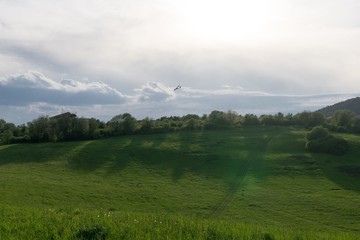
(69, 127)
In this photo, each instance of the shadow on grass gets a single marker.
(342, 170)
(36, 153)
(224, 155)
(214, 154)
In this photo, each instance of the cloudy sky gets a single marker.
(101, 58)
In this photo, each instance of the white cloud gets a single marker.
(31, 79)
(226, 90)
(153, 91)
(35, 87)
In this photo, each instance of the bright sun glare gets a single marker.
(227, 21)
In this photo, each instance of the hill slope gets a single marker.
(352, 104)
(258, 175)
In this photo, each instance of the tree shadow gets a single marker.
(294, 161)
(213, 154)
(36, 153)
(224, 155)
(342, 170)
(86, 157)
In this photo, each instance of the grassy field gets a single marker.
(251, 183)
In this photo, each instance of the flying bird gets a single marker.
(178, 87)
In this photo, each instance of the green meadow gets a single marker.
(246, 183)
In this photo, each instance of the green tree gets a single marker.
(81, 128)
(356, 125)
(303, 118)
(6, 136)
(251, 120)
(122, 124)
(94, 128)
(343, 119)
(10, 133)
(316, 119)
(280, 119)
(146, 125)
(40, 130)
(64, 126)
(218, 120)
(267, 120)
(191, 122)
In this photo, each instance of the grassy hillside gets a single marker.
(212, 182)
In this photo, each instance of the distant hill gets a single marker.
(352, 104)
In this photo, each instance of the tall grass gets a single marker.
(30, 223)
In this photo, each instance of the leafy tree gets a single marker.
(10, 126)
(81, 128)
(277, 119)
(129, 123)
(40, 130)
(280, 119)
(10, 133)
(94, 128)
(23, 131)
(146, 125)
(218, 120)
(64, 126)
(233, 118)
(267, 120)
(191, 122)
(309, 119)
(316, 119)
(122, 124)
(190, 116)
(251, 120)
(343, 119)
(162, 125)
(6, 136)
(356, 125)
(289, 118)
(303, 118)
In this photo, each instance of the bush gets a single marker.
(90, 233)
(319, 140)
(314, 146)
(336, 145)
(317, 133)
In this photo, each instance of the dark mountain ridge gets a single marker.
(352, 104)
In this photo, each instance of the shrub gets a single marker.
(336, 145)
(319, 140)
(92, 233)
(314, 146)
(317, 133)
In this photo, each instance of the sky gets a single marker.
(102, 58)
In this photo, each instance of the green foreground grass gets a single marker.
(78, 224)
(251, 183)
